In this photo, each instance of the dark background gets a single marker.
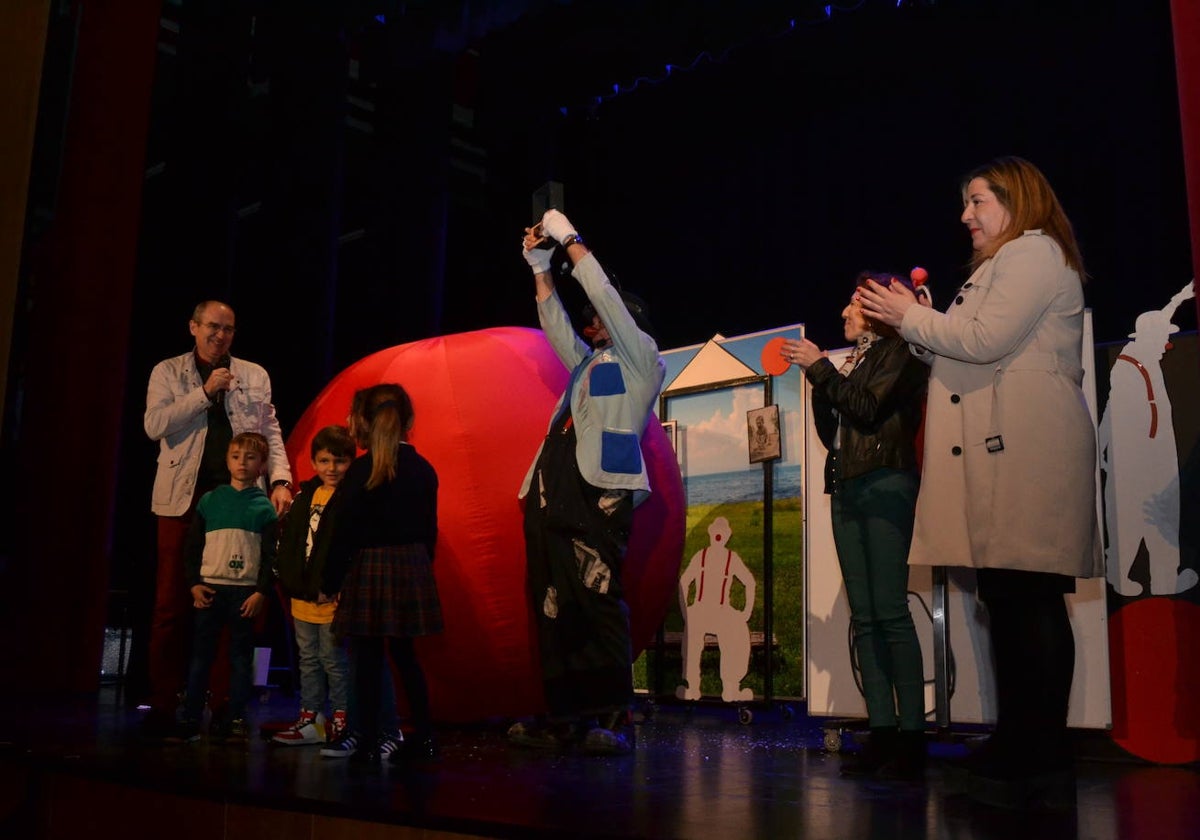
(341, 215)
(355, 175)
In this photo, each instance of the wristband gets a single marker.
(573, 239)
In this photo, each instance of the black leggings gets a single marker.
(368, 653)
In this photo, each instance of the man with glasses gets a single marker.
(195, 404)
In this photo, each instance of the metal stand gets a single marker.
(941, 651)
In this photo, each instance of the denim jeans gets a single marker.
(872, 527)
(323, 667)
(225, 611)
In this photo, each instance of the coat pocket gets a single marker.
(164, 480)
(620, 452)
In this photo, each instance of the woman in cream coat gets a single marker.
(1008, 485)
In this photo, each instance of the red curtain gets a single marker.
(80, 285)
(1185, 20)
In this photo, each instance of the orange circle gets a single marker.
(772, 357)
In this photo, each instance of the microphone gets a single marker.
(920, 277)
(223, 362)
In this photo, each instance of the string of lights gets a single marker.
(786, 27)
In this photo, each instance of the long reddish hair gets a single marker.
(1025, 193)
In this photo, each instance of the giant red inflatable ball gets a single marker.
(482, 402)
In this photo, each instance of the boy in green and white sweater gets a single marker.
(228, 558)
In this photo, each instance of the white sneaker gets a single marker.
(309, 729)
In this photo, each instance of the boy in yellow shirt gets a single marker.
(303, 546)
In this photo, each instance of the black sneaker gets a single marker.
(390, 745)
(343, 747)
(878, 751)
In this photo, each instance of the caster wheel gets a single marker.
(745, 716)
(833, 740)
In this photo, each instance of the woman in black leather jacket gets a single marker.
(867, 414)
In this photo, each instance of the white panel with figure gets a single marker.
(1139, 458)
(704, 590)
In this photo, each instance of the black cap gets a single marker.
(636, 308)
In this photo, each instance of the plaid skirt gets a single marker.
(389, 591)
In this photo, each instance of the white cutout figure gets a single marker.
(1139, 458)
(712, 571)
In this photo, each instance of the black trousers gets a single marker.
(575, 551)
(1034, 651)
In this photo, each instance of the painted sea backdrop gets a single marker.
(741, 486)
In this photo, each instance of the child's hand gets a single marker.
(253, 605)
(202, 596)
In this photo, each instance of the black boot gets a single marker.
(879, 749)
(907, 763)
(956, 771)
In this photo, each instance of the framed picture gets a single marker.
(671, 427)
(762, 433)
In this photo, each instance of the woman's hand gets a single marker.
(801, 352)
(885, 304)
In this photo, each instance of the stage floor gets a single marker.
(697, 772)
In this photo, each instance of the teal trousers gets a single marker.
(872, 528)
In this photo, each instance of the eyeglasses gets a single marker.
(214, 327)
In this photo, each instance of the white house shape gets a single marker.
(713, 363)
